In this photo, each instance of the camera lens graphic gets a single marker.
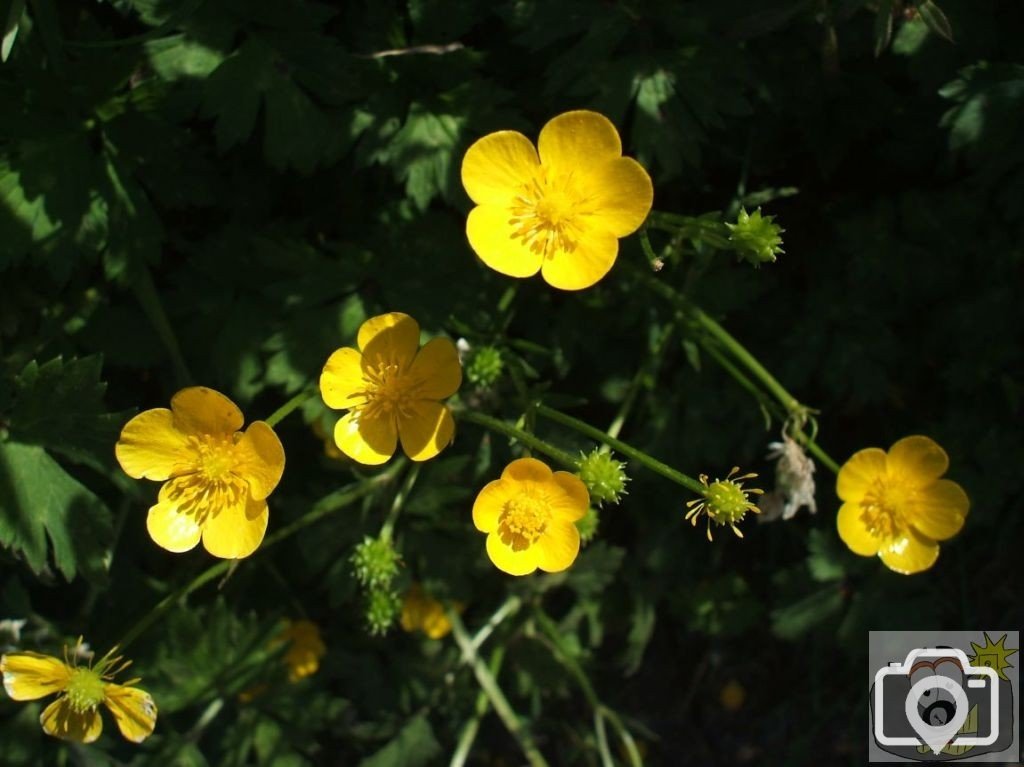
(939, 719)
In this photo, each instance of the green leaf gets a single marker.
(823, 555)
(935, 19)
(59, 405)
(414, 745)
(177, 57)
(39, 501)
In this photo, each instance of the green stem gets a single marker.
(469, 732)
(396, 506)
(615, 428)
(494, 694)
(601, 711)
(637, 455)
(793, 407)
(328, 505)
(145, 292)
(294, 403)
(513, 432)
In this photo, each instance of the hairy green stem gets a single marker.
(297, 401)
(400, 497)
(637, 455)
(494, 694)
(508, 430)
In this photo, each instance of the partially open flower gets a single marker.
(529, 517)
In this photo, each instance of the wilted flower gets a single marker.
(75, 715)
(794, 482)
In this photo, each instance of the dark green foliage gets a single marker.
(222, 192)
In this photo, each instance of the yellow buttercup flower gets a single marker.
(529, 517)
(218, 477)
(305, 649)
(559, 209)
(421, 612)
(75, 715)
(393, 390)
(896, 505)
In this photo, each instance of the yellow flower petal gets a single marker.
(427, 431)
(198, 410)
(435, 623)
(508, 561)
(341, 382)
(853, 532)
(940, 509)
(917, 460)
(370, 441)
(576, 499)
(490, 234)
(393, 338)
(909, 555)
(527, 470)
(858, 474)
(558, 547)
(590, 260)
(62, 721)
(236, 531)
(152, 447)
(496, 166)
(621, 195)
(578, 139)
(260, 459)
(489, 504)
(436, 369)
(170, 528)
(133, 710)
(29, 675)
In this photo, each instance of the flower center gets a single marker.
(213, 485)
(522, 521)
(727, 501)
(389, 391)
(85, 689)
(546, 214)
(884, 508)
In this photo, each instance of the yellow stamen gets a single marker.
(523, 521)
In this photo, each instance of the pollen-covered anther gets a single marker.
(522, 522)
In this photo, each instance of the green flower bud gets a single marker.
(382, 608)
(485, 367)
(375, 562)
(755, 237)
(604, 477)
(588, 525)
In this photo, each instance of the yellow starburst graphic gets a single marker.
(993, 655)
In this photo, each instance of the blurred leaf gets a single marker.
(796, 619)
(10, 29)
(823, 555)
(415, 745)
(934, 18)
(883, 26)
(41, 502)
